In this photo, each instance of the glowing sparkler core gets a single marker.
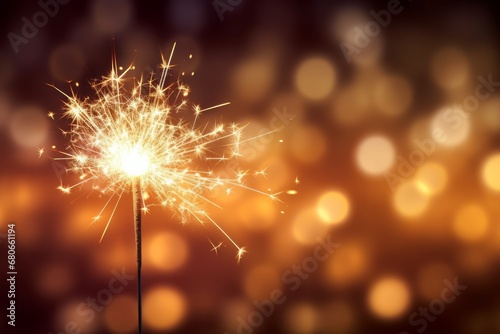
(133, 161)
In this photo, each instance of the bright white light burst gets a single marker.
(137, 128)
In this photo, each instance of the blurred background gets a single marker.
(388, 146)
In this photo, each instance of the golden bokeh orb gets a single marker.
(389, 297)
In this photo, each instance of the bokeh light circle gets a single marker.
(254, 78)
(29, 127)
(410, 200)
(431, 178)
(333, 207)
(315, 78)
(450, 126)
(375, 155)
(307, 227)
(471, 223)
(167, 251)
(389, 297)
(164, 308)
(490, 172)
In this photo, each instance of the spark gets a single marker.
(146, 129)
(215, 248)
(50, 114)
(40, 152)
(241, 251)
(297, 181)
(262, 172)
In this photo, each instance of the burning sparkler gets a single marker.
(134, 137)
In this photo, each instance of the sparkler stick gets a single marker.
(137, 199)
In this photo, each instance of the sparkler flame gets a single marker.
(136, 129)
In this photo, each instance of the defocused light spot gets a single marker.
(315, 78)
(29, 127)
(389, 297)
(490, 172)
(254, 78)
(260, 281)
(347, 265)
(168, 251)
(393, 95)
(66, 63)
(431, 178)
(471, 223)
(450, 68)
(450, 126)
(333, 207)
(111, 16)
(301, 319)
(120, 315)
(164, 308)
(307, 227)
(430, 279)
(410, 200)
(308, 144)
(375, 155)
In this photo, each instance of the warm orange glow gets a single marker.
(167, 251)
(375, 155)
(315, 78)
(389, 297)
(471, 223)
(333, 207)
(490, 172)
(431, 178)
(410, 200)
(164, 308)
